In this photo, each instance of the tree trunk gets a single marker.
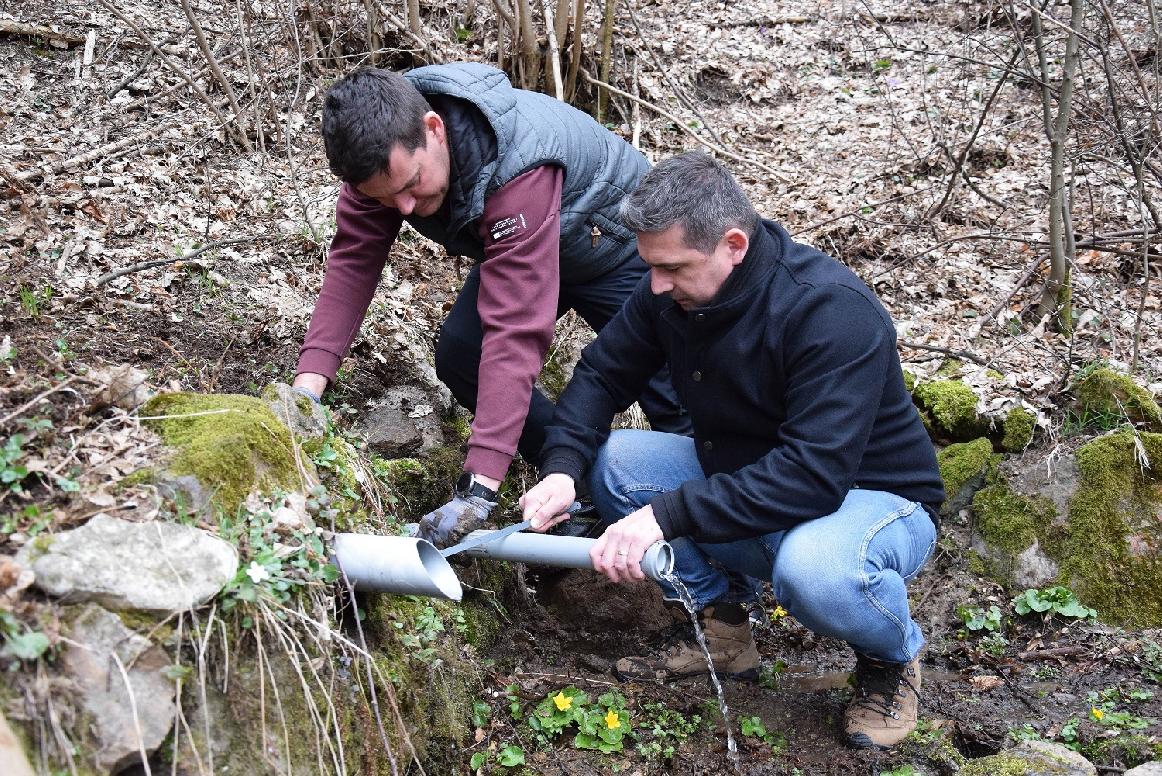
(606, 53)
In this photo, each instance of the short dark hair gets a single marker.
(693, 190)
(365, 114)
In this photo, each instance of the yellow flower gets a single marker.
(1097, 713)
(779, 613)
(612, 721)
(563, 702)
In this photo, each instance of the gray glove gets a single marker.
(450, 523)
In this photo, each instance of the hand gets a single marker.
(310, 384)
(619, 551)
(545, 503)
(455, 520)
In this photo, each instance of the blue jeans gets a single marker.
(841, 575)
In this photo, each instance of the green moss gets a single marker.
(142, 476)
(950, 368)
(965, 464)
(1105, 393)
(952, 406)
(1019, 425)
(1009, 521)
(1126, 750)
(909, 381)
(1116, 501)
(419, 485)
(1004, 764)
(232, 444)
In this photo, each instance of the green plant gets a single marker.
(769, 674)
(1068, 734)
(1104, 708)
(511, 756)
(880, 65)
(1050, 601)
(20, 641)
(1152, 661)
(976, 618)
(32, 300)
(275, 563)
(994, 644)
(665, 727)
(901, 770)
(753, 727)
(601, 726)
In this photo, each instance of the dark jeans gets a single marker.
(597, 301)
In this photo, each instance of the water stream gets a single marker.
(688, 601)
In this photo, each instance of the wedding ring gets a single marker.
(622, 553)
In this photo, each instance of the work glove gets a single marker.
(450, 523)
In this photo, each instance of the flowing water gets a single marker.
(688, 601)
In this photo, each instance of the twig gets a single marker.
(947, 351)
(959, 161)
(205, 98)
(852, 213)
(133, 709)
(35, 400)
(96, 153)
(682, 126)
(224, 82)
(159, 262)
(1017, 287)
(554, 54)
(1053, 652)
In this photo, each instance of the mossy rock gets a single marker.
(1104, 395)
(1113, 555)
(1102, 538)
(951, 407)
(1019, 426)
(233, 445)
(964, 467)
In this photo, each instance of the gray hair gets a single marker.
(693, 190)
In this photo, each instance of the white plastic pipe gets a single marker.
(565, 551)
(395, 564)
(409, 566)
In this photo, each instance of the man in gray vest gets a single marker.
(526, 186)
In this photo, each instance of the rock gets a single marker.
(100, 649)
(1033, 568)
(155, 566)
(234, 446)
(1146, 769)
(404, 422)
(1032, 758)
(121, 386)
(305, 418)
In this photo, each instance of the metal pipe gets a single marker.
(410, 566)
(395, 564)
(565, 551)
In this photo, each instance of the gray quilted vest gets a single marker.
(513, 132)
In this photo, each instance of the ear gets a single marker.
(435, 125)
(736, 243)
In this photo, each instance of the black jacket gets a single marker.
(793, 384)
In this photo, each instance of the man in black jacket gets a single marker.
(808, 466)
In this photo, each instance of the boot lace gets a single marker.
(878, 685)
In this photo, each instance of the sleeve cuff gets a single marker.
(562, 462)
(671, 515)
(490, 463)
(320, 362)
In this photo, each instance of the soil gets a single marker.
(836, 107)
(975, 694)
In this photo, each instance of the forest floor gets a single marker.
(841, 119)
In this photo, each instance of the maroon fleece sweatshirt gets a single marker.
(519, 287)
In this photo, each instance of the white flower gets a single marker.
(257, 572)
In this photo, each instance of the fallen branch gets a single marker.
(105, 151)
(159, 262)
(947, 351)
(682, 126)
(1034, 654)
(39, 397)
(54, 37)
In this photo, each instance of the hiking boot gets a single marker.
(728, 638)
(887, 700)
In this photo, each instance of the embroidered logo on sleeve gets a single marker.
(506, 226)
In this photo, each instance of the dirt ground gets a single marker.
(841, 115)
(976, 696)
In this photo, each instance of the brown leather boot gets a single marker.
(886, 703)
(728, 638)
